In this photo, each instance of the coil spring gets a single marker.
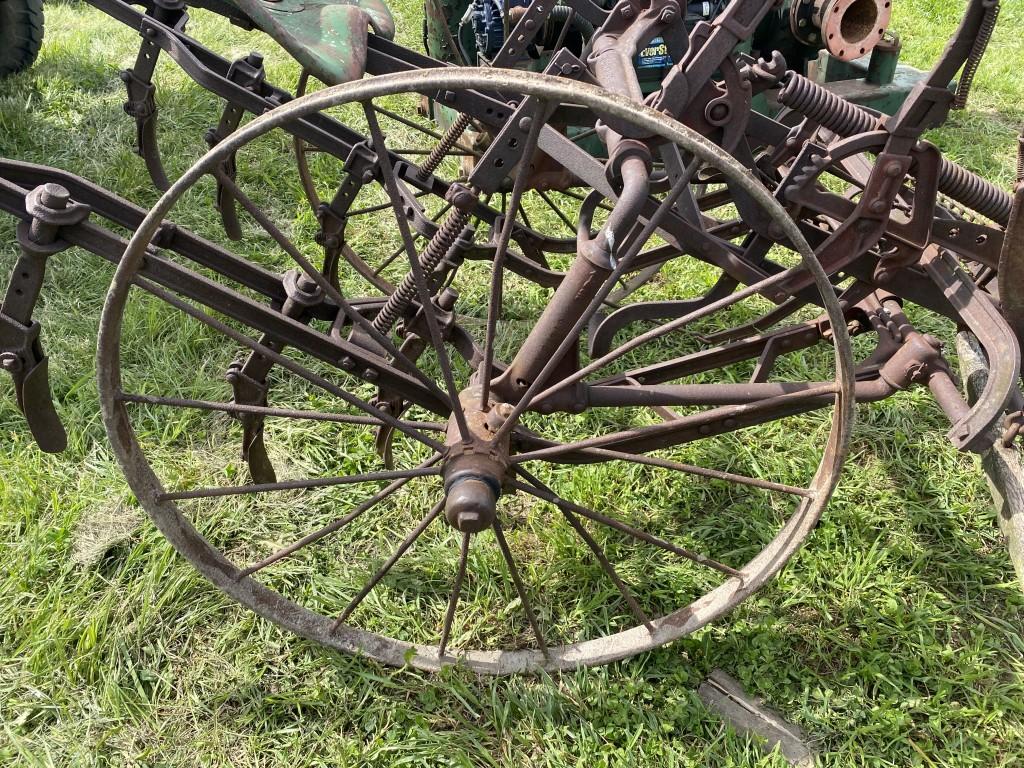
(971, 190)
(824, 107)
(438, 153)
(847, 119)
(988, 25)
(436, 249)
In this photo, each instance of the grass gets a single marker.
(894, 637)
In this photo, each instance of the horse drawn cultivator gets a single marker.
(576, 268)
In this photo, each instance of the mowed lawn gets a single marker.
(893, 638)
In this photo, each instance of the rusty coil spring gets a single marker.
(824, 107)
(438, 153)
(438, 247)
(847, 119)
(988, 26)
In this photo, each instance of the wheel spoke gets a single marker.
(314, 274)
(618, 525)
(296, 485)
(263, 410)
(383, 570)
(582, 199)
(422, 288)
(421, 128)
(453, 602)
(451, 153)
(691, 469)
(380, 207)
(335, 525)
(665, 328)
(501, 252)
(558, 211)
(283, 361)
(599, 554)
(665, 430)
(524, 598)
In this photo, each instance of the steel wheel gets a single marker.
(497, 588)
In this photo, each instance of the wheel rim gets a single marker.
(265, 601)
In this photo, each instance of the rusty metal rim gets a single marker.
(271, 605)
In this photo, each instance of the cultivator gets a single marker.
(569, 299)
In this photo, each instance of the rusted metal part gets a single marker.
(848, 29)
(554, 658)
(49, 207)
(723, 185)
(1011, 257)
(141, 103)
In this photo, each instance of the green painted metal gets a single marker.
(327, 37)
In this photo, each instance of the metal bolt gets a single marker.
(525, 123)
(54, 196)
(371, 375)
(627, 12)
(878, 206)
(347, 363)
(892, 170)
(10, 362)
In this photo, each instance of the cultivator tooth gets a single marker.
(248, 378)
(248, 72)
(21, 353)
(138, 80)
(360, 168)
(141, 105)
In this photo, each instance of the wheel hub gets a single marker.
(476, 464)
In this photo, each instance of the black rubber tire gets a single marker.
(21, 34)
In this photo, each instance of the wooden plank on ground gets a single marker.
(723, 695)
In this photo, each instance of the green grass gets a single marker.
(893, 637)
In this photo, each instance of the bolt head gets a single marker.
(469, 506)
(55, 196)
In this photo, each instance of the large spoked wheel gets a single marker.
(573, 530)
